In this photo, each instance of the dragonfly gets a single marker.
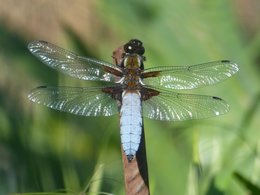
(130, 90)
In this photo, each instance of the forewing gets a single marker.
(72, 64)
(170, 106)
(189, 77)
(90, 101)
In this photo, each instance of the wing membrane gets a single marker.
(90, 101)
(170, 106)
(189, 77)
(72, 64)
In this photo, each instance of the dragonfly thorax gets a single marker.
(132, 70)
(132, 61)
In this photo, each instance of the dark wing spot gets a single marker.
(44, 42)
(42, 87)
(225, 61)
(216, 98)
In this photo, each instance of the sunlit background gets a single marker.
(42, 150)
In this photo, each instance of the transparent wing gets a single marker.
(72, 64)
(90, 101)
(170, 106)
(189, 77)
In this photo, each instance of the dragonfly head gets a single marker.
(134, 46)
(133, 55)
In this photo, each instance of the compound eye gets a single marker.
(128, 48)
(140, 51)
(136, 42)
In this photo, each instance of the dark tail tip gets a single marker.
(130, 157)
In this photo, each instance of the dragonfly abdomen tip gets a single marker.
(130, 157)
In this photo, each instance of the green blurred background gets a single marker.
(42, 150)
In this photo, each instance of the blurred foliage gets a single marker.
(43, 150)
(253, 189)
